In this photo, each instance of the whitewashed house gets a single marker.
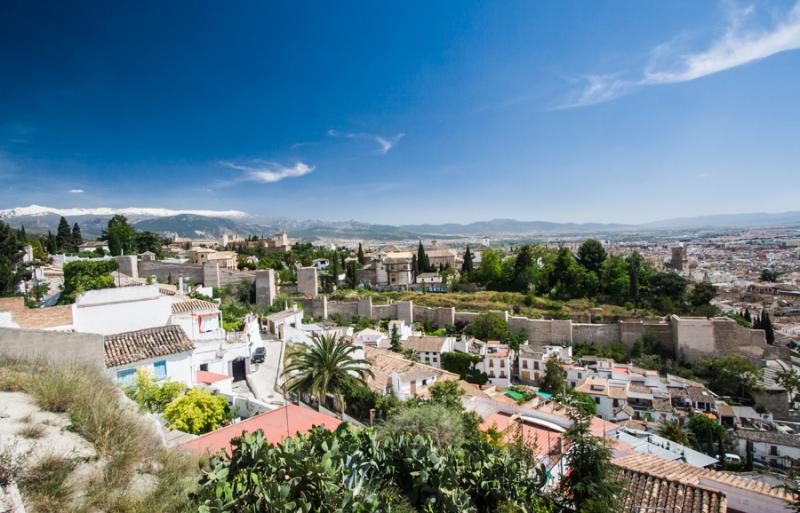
(165, 352)
(429, 349)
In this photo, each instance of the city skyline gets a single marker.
(396, 114)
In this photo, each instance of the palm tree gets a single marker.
(325, 367)
(671, 430)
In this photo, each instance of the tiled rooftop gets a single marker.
(134, 346)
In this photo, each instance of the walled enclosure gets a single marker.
(688, 337)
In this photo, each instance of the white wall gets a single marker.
(179, 367)
(117, 310)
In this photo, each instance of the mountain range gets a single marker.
(214, 223)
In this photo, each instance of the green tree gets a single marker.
(198, 411)
(10, 260)
(488, 326)
(770, 275)
(395, 340)
(350, 275)
(120, 236)
(463, 364)
(83, 275)
(615, 279)
(703, 432)
(448, 393)
(672, 430)
(592, 255)
(765, 323)
(490, 270)
(361, 258)
(64, 236)
(468, 265)
(702, 294)
(522, 272)
(634, 268)
(324, 367)
(50, 243)
(731, 375)
(555, 377)
(592, 485)
(148, 241)
(423, 264)
(76, 237)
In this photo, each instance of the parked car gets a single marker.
(258, 355)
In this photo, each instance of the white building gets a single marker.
(532, 360)
(769, 447)
(497, 362)
(371, 337)
(165, 352)
(117, 310)
(430, 349)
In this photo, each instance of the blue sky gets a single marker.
(403, 112)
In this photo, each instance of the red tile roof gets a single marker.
(134, 346)
(209, 378)
(286, 421)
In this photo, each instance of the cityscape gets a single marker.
(399, 257)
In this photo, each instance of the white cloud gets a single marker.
(270, 172)
(76, 191)
(384, 143)
(741, 44)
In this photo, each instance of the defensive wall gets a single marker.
(689, 338)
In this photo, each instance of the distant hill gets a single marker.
(755, 220)
(201, 223)
(513, 227)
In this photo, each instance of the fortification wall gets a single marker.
(385, 311)
(169, 273)
(598, 334)
(53, 346)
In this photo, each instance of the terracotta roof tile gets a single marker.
(646, 492)
(134, 346)
(191, 305)
(276, 425)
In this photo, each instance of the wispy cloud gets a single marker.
(384, 143)
(269, 172)
(76, 191)
(742, 43)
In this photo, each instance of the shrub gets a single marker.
(151, 395)
(33, 431)
(198, 411)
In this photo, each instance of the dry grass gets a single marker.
(32, 431)
(124, 441)
(44, 484)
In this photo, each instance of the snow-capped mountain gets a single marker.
(38, 210)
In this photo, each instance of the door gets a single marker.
(239, 369)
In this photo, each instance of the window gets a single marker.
(536, 365)
(424, 382)
(160, 369)
(773, 450)
(525, 364)
(204, 367)
(597, 400)
(503, 364)
(491, 363)
(580, 375)
(126, 376)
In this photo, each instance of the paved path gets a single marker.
(262, 382)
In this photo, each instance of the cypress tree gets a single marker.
(414, 266)
(335, 267)
(396, 346)
(468, 265)
(77, 237)
(422, 259)
(63, 235)
(766, 325)
(361, 258)
(634, 264)
(50, 243)
(23, 237)
(747, 316)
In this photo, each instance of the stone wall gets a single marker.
(165, 272)
(307, 282)
(53, 346)
(265, 288)
(688, 338)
